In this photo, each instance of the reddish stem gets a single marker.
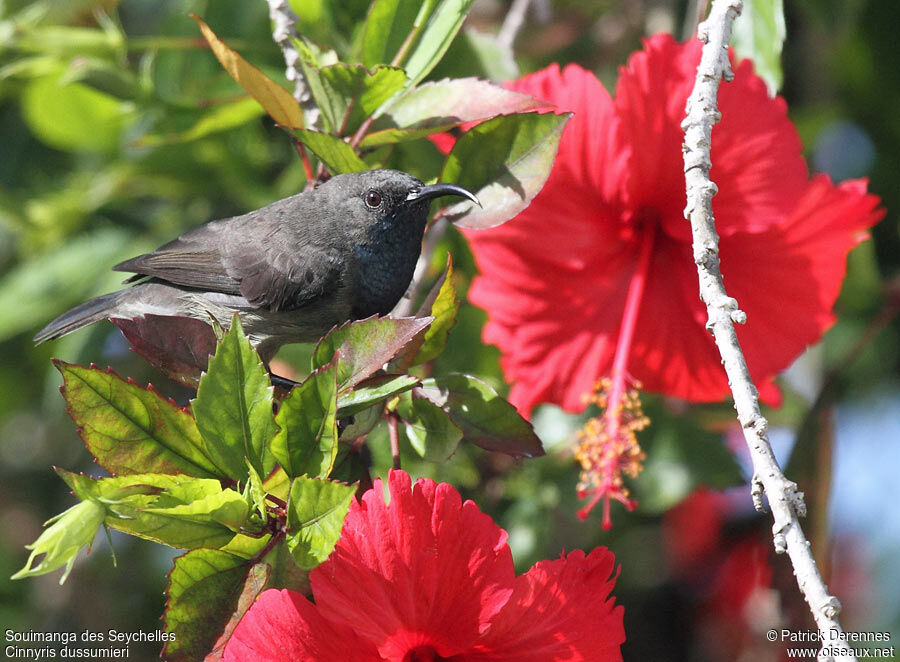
(307, 168)
(393, 424)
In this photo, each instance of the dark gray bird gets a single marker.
(291, 270)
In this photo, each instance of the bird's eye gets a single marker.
(373, 199)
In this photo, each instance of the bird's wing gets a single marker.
(271, 268)
(287, 276)
(194, 260)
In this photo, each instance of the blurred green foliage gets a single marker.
(119, 130)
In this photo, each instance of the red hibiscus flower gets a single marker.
(592, 290)
(430, 577)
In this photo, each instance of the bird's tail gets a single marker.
(79, 317)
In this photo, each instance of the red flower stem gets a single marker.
(626, 331)
(612, 416)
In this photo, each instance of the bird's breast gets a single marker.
(385, 263)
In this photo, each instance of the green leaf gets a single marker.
(363, 423)
(428, 427)
(306, 442)
(316, 512)
(178, 511)
(759, 36)
(337, 155)
(131, 429)
(53, 281)
(443, 308)
(373, 390)
(480, 54)
(276, 100)
(68, 533)
(227, 507)
(442, 27)
(351, 93)
(254, 493)
(363, 347)
(682, 456)
(103, 76)
(505, 162)
(442, 304)
(486, 419)
(233, 407)
(386, 28)
(209, 591)
(73, 116)
(437, 106)
(278, 484)
(221, 118)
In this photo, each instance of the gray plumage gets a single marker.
(292, 270)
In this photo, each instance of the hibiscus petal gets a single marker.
(560, 610)
(756, 152)
(426, 570)
(788, 280)
(283, 626)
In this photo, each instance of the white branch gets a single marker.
(284, 21)
(785, 501)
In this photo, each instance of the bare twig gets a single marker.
(513, 22)
(284, 21)
(785, 501)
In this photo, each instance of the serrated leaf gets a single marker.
(179, 347)
(337, 155)
(306, 442)
(114, 490)
(373, 390)
(441, 304)
(759, 36)
(278, 484)
(351, 93)
(441, 105)
(220, 118)
(387, 25)
(442, 27)
(486, 419)
(228, 508)
(429, 429)
(444, 307)
(363, 423)
(505, 161)
(316, 512)
(276, 100)
(59, 544)
(363, 347)
(179, 511)
(209, 591)
(254, 493)
(131, 429)
(233, 408)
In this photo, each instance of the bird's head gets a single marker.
(389, 195)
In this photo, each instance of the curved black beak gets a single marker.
(438, 190)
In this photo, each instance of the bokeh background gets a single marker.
(102, 158)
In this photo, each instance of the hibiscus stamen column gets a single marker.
(607, 445)
(785, 502)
